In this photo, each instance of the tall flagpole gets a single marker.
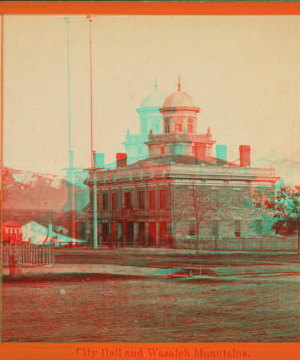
(70, 170)
(91, 88)
(95, 207)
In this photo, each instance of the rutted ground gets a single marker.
(122, 309)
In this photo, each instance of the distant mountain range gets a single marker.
(287, 167)
(28, 191)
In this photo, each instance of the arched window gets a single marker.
(190, 128)
(167, 126)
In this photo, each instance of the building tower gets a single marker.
(179, 123)
(150, 119)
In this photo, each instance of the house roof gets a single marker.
(11, 224)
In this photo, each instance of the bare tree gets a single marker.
(198, 198)
(187, 205)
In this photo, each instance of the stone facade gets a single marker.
(147, 204)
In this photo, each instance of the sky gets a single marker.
(241, 71)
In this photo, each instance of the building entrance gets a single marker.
(163, 237)
(152, 234)
(142, 237)
(105, 233)
(130, 233)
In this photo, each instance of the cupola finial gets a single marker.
(179, 85)
(155, 84)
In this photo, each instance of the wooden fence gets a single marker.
(241, 244)
(27, 254)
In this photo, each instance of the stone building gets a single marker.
(179, 191)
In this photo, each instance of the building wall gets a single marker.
(226, 204)
(229, 202)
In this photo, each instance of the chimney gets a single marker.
(221, 154)
(244, 155)
(98, 160)
(121, 160)
(200, 151)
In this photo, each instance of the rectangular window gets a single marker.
(142, 197)
(162, 150)
(192, 227)
(162, 199)
(114, 199)
(214, 197)
(152, 199)
(215, 227)
(236, 198)
(105, 202)
(128, 203)
(237, 228)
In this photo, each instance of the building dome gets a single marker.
(154, 99)
(178, 99)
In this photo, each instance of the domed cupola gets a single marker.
(179, 99)
(179, 113)
(154, 99)
(150, 117)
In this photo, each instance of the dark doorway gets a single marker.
(152, 234)
(129, 235)
(105, 233)
(163, 237)
(142, 237)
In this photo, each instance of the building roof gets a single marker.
(11, 224)
(170, 159)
